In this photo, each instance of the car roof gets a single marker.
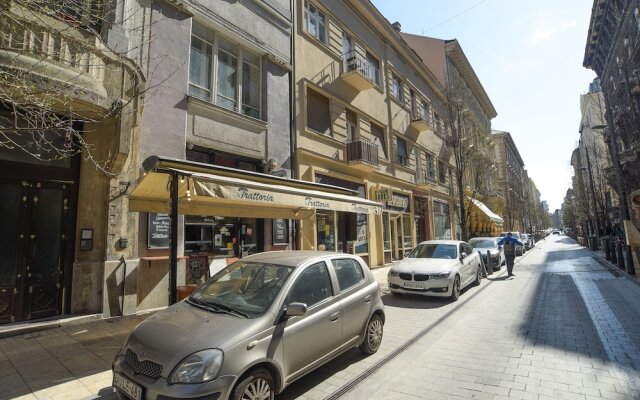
(292, 258)
(441, 242)
(484, 238)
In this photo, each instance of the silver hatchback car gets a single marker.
(254, 328)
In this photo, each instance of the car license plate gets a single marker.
(129, 388)
(414, 285)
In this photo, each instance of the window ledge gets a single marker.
(405, 168)
(322, 136)
(211, 108)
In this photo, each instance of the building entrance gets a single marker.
(36, 243)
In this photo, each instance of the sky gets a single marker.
(528, 56)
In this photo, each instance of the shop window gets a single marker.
(318, 112)
(325, 225)
(236, 84)
(442, 222)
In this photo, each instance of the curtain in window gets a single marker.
(227, 74)
(200, 69)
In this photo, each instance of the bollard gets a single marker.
(619, 247)
(606, 243)
(614, 255)
(489, 263)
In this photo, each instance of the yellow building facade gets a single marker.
(367, 115)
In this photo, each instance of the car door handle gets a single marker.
(367, 298)
(334, 316)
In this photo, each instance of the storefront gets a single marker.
(441, 219)
(483, 221)
(223, 208)
(421, 216)
(397, 224)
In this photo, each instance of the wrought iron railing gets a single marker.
(362, 149)
(355, 61)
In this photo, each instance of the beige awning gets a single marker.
(490, 214)
(216, 194)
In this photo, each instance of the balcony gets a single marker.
(57, 56)
(362, 154)
(359, 73)
(425, 180)
(419, 121)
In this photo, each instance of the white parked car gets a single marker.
(436, 268)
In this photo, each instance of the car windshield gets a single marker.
(483, 243)
(244, 288)
(433, 250)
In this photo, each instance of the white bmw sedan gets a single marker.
(436, 268)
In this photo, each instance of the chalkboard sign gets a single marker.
(280, 232)
(158, 231)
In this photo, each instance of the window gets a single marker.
(426, 112)
(348, 54)
(352, 125)
(349, 273)
(236, 82)
(378, 139)
(397, 88)
(314, 22)
(373, 70)
(436, 122)
(430, 170)
(402, 155)
(312, 286)
(318, 112)
(442, 172)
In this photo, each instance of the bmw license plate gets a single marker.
(414, 285)
(125, 385)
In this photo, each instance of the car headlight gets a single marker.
(198, 367)
(393, 272)
(443, 275)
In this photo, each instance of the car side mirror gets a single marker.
(463, 256)
(296, 310)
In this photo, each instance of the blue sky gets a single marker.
(528, 56)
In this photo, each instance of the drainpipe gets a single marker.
(292, 118)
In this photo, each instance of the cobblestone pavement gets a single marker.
(563, 328)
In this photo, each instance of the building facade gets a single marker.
(477, 164)
(612, 51)
(512, 180)
(368, 119)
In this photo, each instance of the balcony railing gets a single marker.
(359, 72)
(423, 177)
(362, 150)
(419, 121)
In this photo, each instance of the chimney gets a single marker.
(396, 25)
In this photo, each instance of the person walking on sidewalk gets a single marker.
(509, 244)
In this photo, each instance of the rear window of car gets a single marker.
(348, 271)
(433, 250)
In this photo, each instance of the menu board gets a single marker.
(280, 231)
(158, 231)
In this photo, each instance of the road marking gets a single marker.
(616, 343)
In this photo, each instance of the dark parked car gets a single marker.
(489, 244)
(253, 328)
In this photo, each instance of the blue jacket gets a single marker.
(509, 244)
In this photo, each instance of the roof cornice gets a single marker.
(456, 54)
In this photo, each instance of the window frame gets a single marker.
(308, 14)
(396, 84)
(406, 149)
(297, 278)
(356, 265)
(213, 94)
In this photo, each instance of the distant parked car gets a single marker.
(527, 239)
(519, 249)
(490, 244)
(253, 328)
(556, 232)
(436, 268)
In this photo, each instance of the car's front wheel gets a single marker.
(257, 385)
(455, 289)
(372, 335)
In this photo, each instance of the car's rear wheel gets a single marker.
(257, 385)
(476, 282)
(455, 290)
(372, 335)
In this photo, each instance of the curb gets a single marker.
(22, 328)
(611, 266)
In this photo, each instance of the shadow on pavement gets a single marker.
(308, 382)
(418, 301)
